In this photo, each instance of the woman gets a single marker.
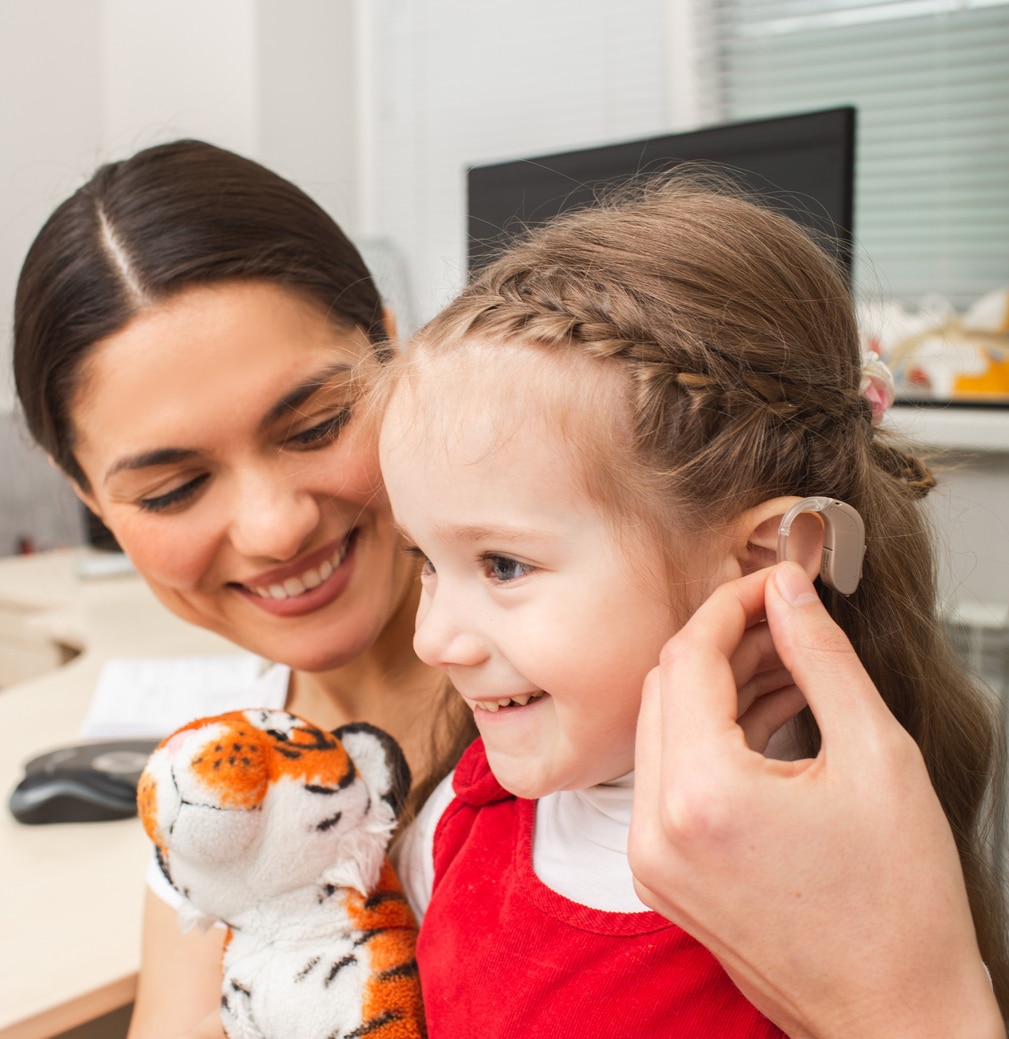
(186, 327)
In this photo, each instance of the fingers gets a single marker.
(645, 846)
(822, 661)
(768, 713)
(702, 666)
(756, 666)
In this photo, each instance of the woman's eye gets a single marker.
(322, 433)
(176, 496)
(503, 568)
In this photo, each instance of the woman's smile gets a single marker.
(306, 585)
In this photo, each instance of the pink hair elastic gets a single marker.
(843, 541)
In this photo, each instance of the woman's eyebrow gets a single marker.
(148, 459)
(296, 397)
(290, 401)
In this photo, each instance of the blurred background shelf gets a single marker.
(964, 429)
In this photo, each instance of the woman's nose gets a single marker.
(271, 518)
(447, 634)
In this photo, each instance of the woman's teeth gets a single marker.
(306, 581)
(506, 701)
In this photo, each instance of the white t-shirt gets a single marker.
(270, 692)
(579, 846)
(579, 842)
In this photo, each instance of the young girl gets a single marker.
(606, 426)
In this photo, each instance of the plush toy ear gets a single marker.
(380, 760)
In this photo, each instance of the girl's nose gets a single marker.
(271, 518)
(446, 636)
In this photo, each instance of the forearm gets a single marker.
(179, 990)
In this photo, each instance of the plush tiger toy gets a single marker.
(279, 830)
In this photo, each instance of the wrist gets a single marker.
(962, 1012)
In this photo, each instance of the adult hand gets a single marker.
(830, 889)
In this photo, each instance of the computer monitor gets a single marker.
(801, 164)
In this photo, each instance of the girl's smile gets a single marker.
(493, 706)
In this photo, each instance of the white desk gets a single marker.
(71, 894)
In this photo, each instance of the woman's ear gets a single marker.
(757, 536)
(389, 323)
(86, 497)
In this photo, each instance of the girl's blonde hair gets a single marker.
(739, 348)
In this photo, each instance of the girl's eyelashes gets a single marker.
(176, 496)
(498, 568)
(503, 568)
(322, 433)
(415, 553)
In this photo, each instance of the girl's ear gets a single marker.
(757, 536)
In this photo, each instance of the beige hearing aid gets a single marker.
(843, 541)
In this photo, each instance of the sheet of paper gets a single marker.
(152, 696)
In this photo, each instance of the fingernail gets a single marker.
(794, 585)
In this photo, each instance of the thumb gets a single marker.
(822, 661)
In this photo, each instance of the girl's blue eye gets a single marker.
(176, 496)
(322, 433)
(504, 569)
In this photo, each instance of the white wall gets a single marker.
(184, 68)
(50, 124)
(454, 84)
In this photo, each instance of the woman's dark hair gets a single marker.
(170, 218)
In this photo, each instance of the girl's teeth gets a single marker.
(495, 705)
(277, 591)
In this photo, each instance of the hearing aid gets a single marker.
(843, 541)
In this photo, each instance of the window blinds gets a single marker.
(930, 81)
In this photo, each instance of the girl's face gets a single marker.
(217, 433)
(544, 621)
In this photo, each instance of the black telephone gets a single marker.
(85, 782)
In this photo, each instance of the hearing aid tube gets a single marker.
(843, 541)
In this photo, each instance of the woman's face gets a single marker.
(218, 436)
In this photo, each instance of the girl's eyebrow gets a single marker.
(290, 401)
(447, 533)
(504, 535)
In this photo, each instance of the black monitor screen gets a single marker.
(801, 164)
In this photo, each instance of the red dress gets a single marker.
(503, 956)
